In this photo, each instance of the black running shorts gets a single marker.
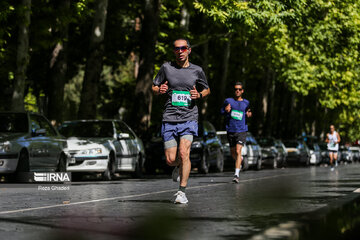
(236, 138)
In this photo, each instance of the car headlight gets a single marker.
(196, 144)
(5, 147)
(93, 151)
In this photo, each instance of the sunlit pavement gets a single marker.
(143, 208)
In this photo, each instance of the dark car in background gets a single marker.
(251, 152)
(206, 152)
(28, 142)
(325, 159)
(298, 152)
(206, 149)
(271, 155)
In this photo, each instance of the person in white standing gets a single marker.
(333, 140)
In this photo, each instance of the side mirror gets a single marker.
(39, 132)
(122, 136)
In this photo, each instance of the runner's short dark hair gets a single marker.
(185, 39)
(238, 83)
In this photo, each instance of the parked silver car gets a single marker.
(103, 146)
(28, 142)
(356, 152)
(315, 153)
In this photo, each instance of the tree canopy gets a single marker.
(298, 59)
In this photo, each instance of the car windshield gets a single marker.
(87, 129)
(311, 146)
(291, 144)
(265, 142)
(323, 146)
(13, 123)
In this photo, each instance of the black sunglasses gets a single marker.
(238, 89)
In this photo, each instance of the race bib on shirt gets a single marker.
(237, 115)
(181, 98)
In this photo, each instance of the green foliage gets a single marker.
(30, 102)
(312, 46)
(306, 51)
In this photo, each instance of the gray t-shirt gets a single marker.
(179, 107)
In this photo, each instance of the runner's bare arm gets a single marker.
(160, 89)
(248, 113)
(195, 94)
(338, 137)
(327, 138)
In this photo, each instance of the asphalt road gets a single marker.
(143, 208)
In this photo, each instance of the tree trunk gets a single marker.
(89, 94)
(185, 18)
(58, 66)
(205, 66)
(141, 112)
(268, 101)
(224, 70)
(22, 57)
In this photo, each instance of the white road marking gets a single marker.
(137, 195)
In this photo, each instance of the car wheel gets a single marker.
(204, 164)
(274, 166)
(258, 165)
(284, 163)
(23, 164)
(109, 173)
(22, 167)
(219, 161)
(62, 164)
(244, 163)
(138, 168)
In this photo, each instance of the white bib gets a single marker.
(238, 115)
(181, 98)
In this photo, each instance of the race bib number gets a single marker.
(181, 98)
(238, 115)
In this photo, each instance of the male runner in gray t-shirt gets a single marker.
(183, 83)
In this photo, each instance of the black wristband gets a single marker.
(200, 95)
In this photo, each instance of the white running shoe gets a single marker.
(236, 179)
(175, 175)
(180, 198)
